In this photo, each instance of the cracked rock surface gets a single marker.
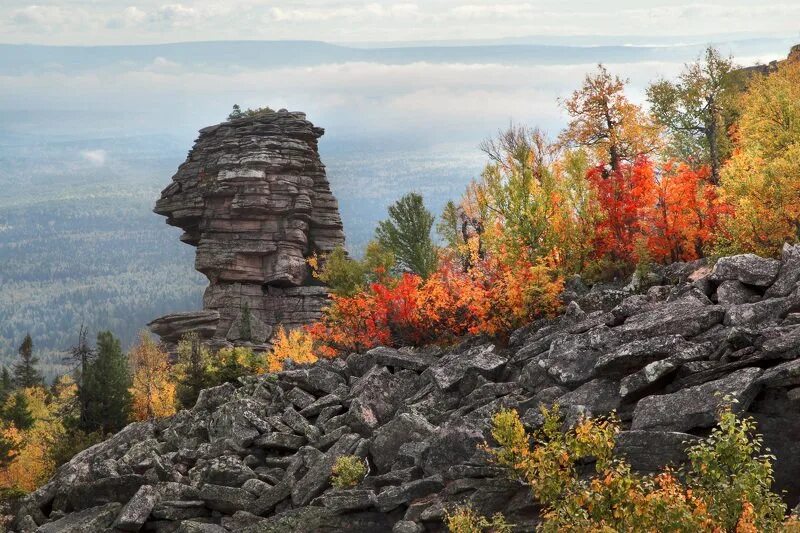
(253, 197)
(258, 456)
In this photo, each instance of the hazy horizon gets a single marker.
(90, 135)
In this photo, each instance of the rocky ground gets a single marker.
(259, 457)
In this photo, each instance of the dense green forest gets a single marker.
(108, 263)
(79, 243)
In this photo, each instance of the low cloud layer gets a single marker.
(117, 21)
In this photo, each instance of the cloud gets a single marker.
(173, 15)
(96, 158)
(130, 16)
(352, 12)
(36, 16)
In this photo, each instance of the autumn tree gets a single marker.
(682, 216)
(603, 120)
(516, 195)
(153, 392)
(761, 182)
(624, 196)
(462, 233)
(296, 346)
(104, 393)
(25, 371)
(698, 109)
(407, 234)
(533, 200)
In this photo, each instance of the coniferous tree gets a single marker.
(192, 370)
(407, 234)
(83, 354)
(19, 413)
(104, 393)
(25, 372)
(6, 385)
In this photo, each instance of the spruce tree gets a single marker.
(104, 394)
(25, 372)
(19, 413)
(6, 385)
(193, 374)
(407, 234)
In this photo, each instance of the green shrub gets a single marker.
(464, 519)
(348, 471)
(726, 485)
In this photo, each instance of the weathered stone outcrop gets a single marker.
(252, 196)
(258, 456)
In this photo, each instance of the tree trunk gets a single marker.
(713, 148)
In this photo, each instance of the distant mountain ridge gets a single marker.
(16, 59)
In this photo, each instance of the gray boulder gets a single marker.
(388, 439)
(789, 274)
(696, 407)
(87, 521)
(451, 369)
(747, 268)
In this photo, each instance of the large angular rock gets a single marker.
(751, 314)
(318, 476)
(454, 367)
(571, 359)
(677, 318)
(104, 490)
(411, 360)
(696, 407)
(637, 384)
(747, 268)
(138, 509)
(237, 421)
(377, 396)
(637, 354)
(86, 521)
(651, 451)
(388, 439)
(252, 196)
(450, 446)
(225, 499)
(789, 274)
(734, 292)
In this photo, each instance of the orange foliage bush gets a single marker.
(672, 209)
(493, 297)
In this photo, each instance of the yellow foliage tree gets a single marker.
(33, 463)
(606, 122)
(761, 182)
(296, 346)
(153, 390)
(533, 200)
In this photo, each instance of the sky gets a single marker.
(95, 22)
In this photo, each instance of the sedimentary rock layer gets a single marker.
(253, 197)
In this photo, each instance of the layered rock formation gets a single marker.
(258, 457)
(252, 196)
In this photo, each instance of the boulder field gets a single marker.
(258, 456)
